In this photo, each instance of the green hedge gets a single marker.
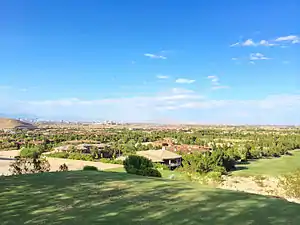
(140, 165)
(30, 152)
(93, 168)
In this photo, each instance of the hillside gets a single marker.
(6, 123)
(86, 197)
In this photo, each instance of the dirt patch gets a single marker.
(7, 157)
(257, 185)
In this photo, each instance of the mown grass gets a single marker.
(167, 174)
(270, 167)
(91, 197)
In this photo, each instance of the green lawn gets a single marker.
(167, 174)
(270, 167)
(91, 197)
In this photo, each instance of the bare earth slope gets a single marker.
(6, 123)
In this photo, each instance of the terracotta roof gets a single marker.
(187, 148)
(158, 155)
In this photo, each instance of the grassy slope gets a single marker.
(87, 197)
(167, 174)
(271, 167)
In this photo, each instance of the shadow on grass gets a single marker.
(7, 159)
(87, 197)
(242, 163)
(238, 168)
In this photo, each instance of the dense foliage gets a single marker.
(30, 152)
(93, 168)
(140, 165)
(217, 161)
(229, 144)
(81, 156)
(24, 165)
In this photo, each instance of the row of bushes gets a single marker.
(248, 152)
(85, 157)
(223, 158)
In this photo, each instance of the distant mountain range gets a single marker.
(12, 124)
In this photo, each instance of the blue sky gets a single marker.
(167, 61)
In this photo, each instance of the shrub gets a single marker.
(63, 155)
(63, 167)
(214, 177)
(219, 169)
(137, 162)
(290, 183)
(113, 161)
(207, 162)
(93, 168)
(150, 172)
(30, 153)
(140, 165)
(161, 166)
(79, 156)
(29, 165)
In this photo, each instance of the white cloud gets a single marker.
(248, 42)
(162, 77)
(214, 79)
(234, 59)
(180, 97)
(269, 43)
(184, 81)
(153, 56)
(258, 56)
(266, 43)
(290, 38)
(235, 44)
(215, 83)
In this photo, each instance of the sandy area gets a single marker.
(262, 185)
(6, 157)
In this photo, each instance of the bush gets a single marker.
(219, 169)
(79, 156)
(63, 167)
(30, 153)
(63, 155)
(150, 172)
(113, 161)
(29, 165)
(214, 177)
(140, 165)
(161, 166)
(93, 168)
(137, 162)
(290, 183)
(207, 162)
